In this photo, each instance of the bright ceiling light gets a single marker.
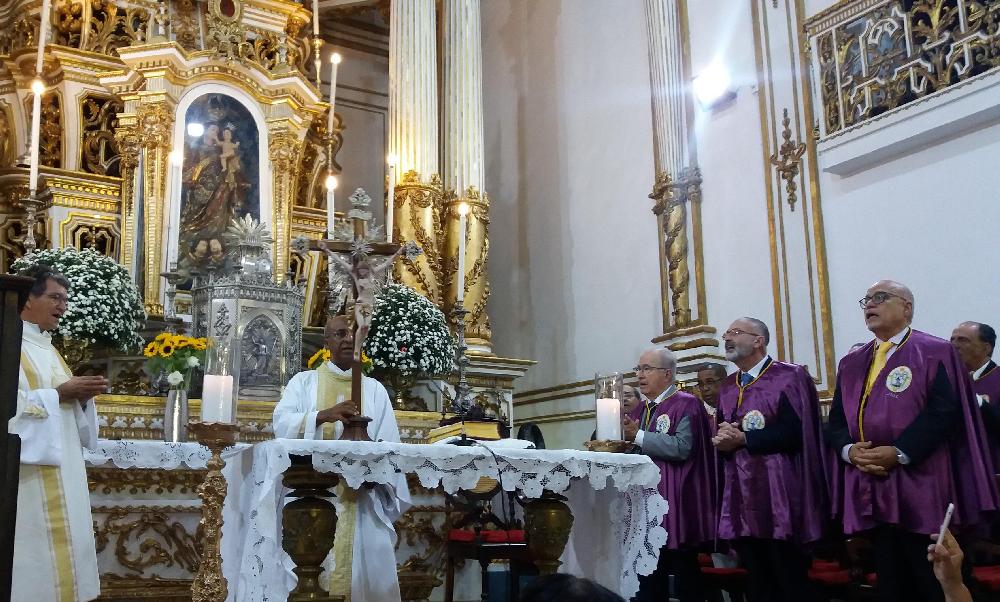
(195, 129)
(712, 86)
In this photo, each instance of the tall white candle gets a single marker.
(334, 62)
(390, 198)
(38, 88)
(316, 18)
(609, 420)
(331, 186)
(43, 30)
(463, 210)
(217, 398)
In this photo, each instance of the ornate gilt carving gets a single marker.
(98, 140)
(285, 152)
(112, 27)
(146, 537)
(477, 287)
(108, 480)
(155, 121)
(209, 584)
(51, 132)
(67, 23)
(874, 56)
(155, 589)
(12, 234)
(671, 206)
(8, 141)
(786, 160)
(417, 208)
(185, 25)
(129, 144)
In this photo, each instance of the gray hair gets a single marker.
(759, 324)
(666, 357)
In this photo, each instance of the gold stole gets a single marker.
(331, 389)
(54, 504)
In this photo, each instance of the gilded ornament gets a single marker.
(209, 584)
(107, 481)
(672, 198)
(162, 542)
(67, 23)
(98, 140)
(548, 522)
(786, 160)
(8, 142)
(111, 27)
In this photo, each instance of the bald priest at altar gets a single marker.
(315, 405)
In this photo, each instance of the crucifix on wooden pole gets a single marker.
(366, 262)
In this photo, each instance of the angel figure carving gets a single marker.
(367, 274)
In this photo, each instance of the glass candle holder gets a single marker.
(609, 402)
(218, 401)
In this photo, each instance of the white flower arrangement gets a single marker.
(408, 335)
(175, 378)
(104, 304)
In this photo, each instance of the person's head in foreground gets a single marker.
(47, 298)
(567, 588)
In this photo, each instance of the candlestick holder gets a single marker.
(461, 404)
(33, 204)
(209, 584)
(317, 44)
(173, 278)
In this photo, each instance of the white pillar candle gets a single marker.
(390, 198)
(43, 30)
(217, 398)
(463, 210)
(609, 420)
(316, 18)
(38, 88)
(331, 186)
(334, 62)
(510, 414)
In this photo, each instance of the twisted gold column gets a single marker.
(285, 150)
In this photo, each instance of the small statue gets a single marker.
(366, 272)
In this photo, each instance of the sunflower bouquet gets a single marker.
(176, 355)
(323, 355)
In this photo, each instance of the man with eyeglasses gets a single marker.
(677, 437)
(710, 379)
(774, 498)
(904, 423)
(974, 342)
(316, 404)
(54, 553)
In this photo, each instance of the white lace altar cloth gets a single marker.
(152, 454)
(617, 510)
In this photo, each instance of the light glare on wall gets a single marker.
(712, 86)
(195, 130)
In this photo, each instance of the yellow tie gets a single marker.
(881, 357)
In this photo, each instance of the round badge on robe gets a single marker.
(663, 423)
(899, 379)
(753, 421)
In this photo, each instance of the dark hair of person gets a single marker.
(42, 274)
(987, 335)
(718, 369)
(764, 332)
(567, 588)
(530, 432)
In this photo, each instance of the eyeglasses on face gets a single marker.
(342, 333)
(57, 298)
(735, 332)
(877, 299)
(647, 368)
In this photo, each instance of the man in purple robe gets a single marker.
(975, 342)
(774, 498)
(677, 436)
(904, 424)
(710, 379)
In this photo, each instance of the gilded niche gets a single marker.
(892, 53)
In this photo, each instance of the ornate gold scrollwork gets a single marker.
(115, 480)
(786, 160)
(146, 537)
(417, 209)
(8, 142)
(98, 143)
(285, 152)
(477, 286)
(51, 132)
(87, 231)
(671, 198)
(67, 23)
(112, 27)
(129, 144)
(12, 232)
(886, 54)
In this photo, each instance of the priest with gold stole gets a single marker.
(54, 553)
(315, 405)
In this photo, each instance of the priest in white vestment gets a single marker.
(315, 405)
(54, 554)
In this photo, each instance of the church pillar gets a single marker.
(464, 166)
(284, 150)
(129, 146)
(155, 123)
(413, 139)
(677, 189)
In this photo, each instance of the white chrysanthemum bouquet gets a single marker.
(104, 304)
(408, 335)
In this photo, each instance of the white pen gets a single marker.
(945, 523)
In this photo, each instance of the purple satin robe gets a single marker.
(774, 496)
(989, 385)
(687, 486)
(912, 497)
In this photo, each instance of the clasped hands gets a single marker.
(342, 412)
(876, 461)
(729, 437)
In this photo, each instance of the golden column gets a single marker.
(285, 151)
(463, 151)
(413, 140)
(129, 147)
(155, 123)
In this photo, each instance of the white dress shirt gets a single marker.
(667, 393)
